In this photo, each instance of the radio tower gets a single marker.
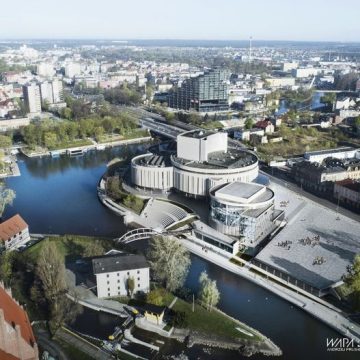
(250, 49)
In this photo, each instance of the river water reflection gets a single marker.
(59, 196)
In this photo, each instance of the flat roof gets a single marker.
(330, 151)
(197, 134)
(238, 190)
(119, 262)
(338, 241)
(152, 160)
(232, 159)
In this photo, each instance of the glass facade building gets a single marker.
(204, 93)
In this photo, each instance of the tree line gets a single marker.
(50, 133)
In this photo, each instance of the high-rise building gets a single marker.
(46, 92)
(45, 69)
(207, 92)
(72, 69)
(32, 97)
(57, 91)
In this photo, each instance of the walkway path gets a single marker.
(83, 345)
(50, 346)
(332, 318)
(173, 302)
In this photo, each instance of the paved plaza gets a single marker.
(317, 244)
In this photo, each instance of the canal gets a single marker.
(59, 196)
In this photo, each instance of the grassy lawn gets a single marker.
(71, 351)
(212, 323)
(70, 144)
(297, 142)
(71, 246)
(136, 133)
(212, 125)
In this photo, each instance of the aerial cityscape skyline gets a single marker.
(153, 20)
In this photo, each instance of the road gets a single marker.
(324, 202)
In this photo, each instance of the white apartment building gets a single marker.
(57, 91)
(45, 70)
(46, 92)
(72, 69)
(14, 232)
(113, 272)
(32, 97)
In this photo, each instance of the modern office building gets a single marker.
(113, 272)
(202, 161)
(32, 97)
(245, 211)
(207, 92)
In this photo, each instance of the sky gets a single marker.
(302, 20)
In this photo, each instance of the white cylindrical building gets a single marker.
(152, 172)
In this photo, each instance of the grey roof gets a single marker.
(329, 151)
(154, 161)
(232, 159)
(243, 190)
(106, 264)
(338, 241)
(198, 134)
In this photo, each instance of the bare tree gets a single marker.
(169, 261)
(51, 271)
(7, 197)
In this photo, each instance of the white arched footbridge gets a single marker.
(138, 234)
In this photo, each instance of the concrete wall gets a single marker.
(115, 283)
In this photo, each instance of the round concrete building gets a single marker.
(203, 160)
(152, 172)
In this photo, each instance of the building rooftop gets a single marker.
(314, 232)
(232, 159)
(121, 262)
(11, 227)
(14, 315)
(154, 161)
(197, 134)
(329, 151)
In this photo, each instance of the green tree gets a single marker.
(249, 123)
(352, 281)
(7, 197)
(5, 141)
(6, 267)
(169, 261)
(131, 285)
(156, 296)
(93, 248)
(209, 294)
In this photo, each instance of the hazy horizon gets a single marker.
(228, 20)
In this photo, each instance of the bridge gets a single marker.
(137, 234)
(163, 129)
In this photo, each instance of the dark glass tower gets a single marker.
(204, 93)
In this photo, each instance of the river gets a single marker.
(59, 196)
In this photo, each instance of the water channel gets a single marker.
(59, 196)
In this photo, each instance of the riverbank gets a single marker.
(79, 150)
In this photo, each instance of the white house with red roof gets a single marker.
(14, 232)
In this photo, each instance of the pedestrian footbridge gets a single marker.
(138, 234)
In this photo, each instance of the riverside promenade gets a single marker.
(327, 314)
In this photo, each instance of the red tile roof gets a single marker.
(6, 356)
(12, 227)
(15, 314)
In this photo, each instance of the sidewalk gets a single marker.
(330, 317)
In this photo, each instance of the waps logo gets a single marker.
(341, 344)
